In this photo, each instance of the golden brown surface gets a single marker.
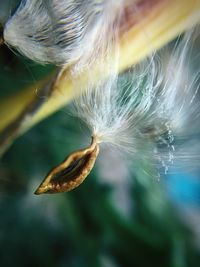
(71, 172)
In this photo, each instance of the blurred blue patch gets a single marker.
(184, 188)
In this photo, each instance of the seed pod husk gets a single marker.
(71, 172)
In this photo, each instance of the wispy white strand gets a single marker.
(154, 102)
(58, 31)
(116, 109)
(177, 107)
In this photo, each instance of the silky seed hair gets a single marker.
(178, 106)
(152, 105)
(58, 31)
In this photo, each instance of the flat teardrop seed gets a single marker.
(71, 172)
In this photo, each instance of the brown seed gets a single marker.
(71, 172)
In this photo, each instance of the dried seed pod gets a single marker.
(71, 172)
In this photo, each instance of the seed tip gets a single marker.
(41, 190)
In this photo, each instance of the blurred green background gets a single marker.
(103, 223)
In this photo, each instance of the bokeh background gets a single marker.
(126, 221)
